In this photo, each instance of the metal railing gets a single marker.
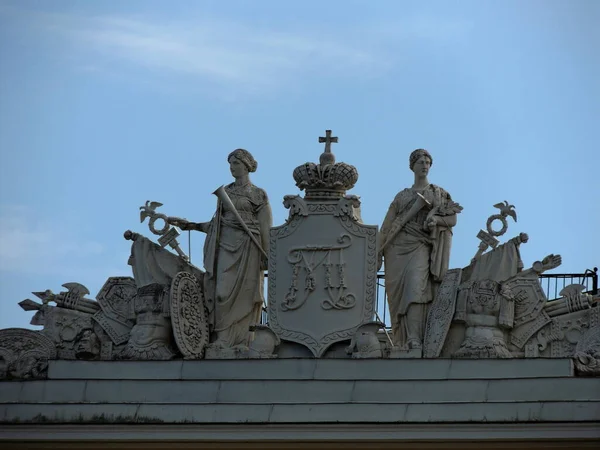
(551, 284)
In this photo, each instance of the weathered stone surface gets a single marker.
(138, 370)
(285, 391)
(24, 353)
(583, 434)
(301, 391)
(263, 343)
(151, 391)
(566, 332)
(550, 389)
(579, 434)
(249, 370)
(303, 413)
(59, 391)
(587, 352)
(71, 331)
(511, 368)
(318, 369)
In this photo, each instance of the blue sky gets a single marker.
(104, 105)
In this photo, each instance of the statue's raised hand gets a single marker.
(551, 262)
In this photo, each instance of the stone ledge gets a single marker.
(300, 391)
(312, 369)
(526, 412)
(314, 432)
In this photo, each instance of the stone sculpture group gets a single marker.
(322, 280)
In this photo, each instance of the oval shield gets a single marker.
(188, 316)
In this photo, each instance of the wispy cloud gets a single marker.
(30, 245)
(218, 52)
(237, 55)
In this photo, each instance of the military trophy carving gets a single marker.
(493, 308)
(322, 280)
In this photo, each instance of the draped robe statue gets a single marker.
(233, 261)
(416, 237)
(234, 281)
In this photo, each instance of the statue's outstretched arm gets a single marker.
(186, 225)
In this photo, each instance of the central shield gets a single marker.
(322, 273)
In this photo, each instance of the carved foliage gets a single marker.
(321, 208)
(568, 330)
(24, 354)
(296, 205)
(188, 316)
(349, 206)
(587, 353)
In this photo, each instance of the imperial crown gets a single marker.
(327, 179)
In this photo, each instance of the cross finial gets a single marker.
(328, 139)
(327, 157)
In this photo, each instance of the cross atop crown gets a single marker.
(328, 179)
(327, 157)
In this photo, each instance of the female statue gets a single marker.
(233, 260)
(415, 241)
